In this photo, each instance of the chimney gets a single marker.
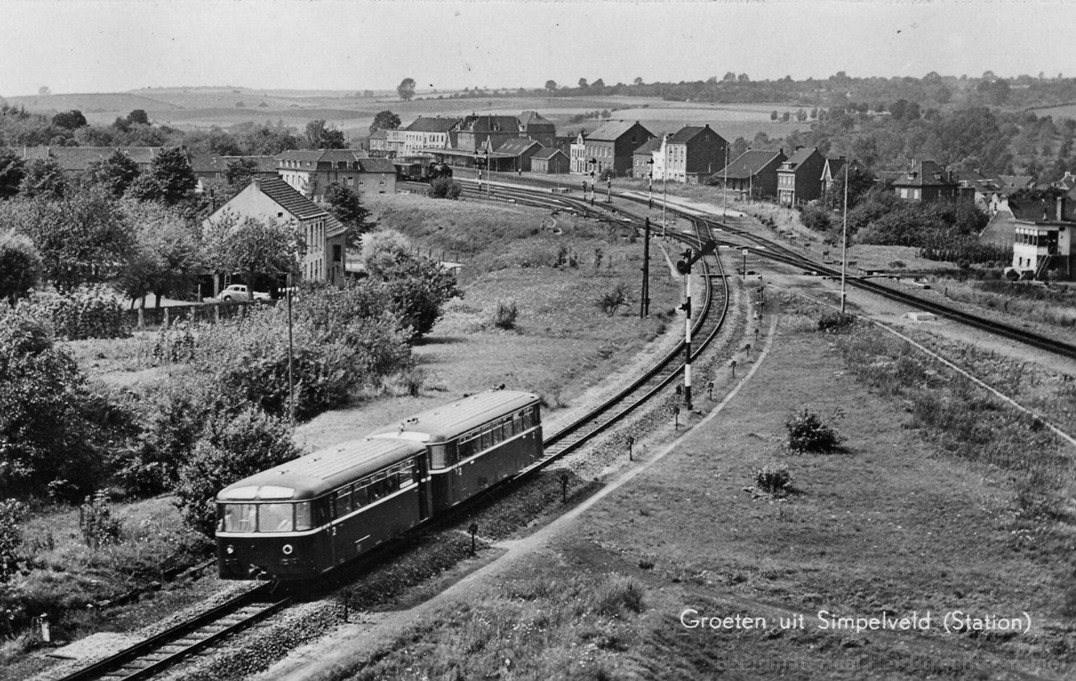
(256, 182)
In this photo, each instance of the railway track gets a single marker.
(157, 653)
(150, 657)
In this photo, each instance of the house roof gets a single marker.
(265, 164)
(490, 123)
(1043, 210)
(648, 147)
(750, 163)
(377, 165)
(924, 174)
(290, 200)
(798, 157)
(687, 133)
(833, 167)
(613, 130)
(77, 159)
(529, 118)
(379, 134)
(320, 155)
(516, 147)
(429, 124)
(548, 153)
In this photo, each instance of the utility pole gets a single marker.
(644, 302)
(844, 240)
(291, 383)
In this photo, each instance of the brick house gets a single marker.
(310, 171)
(694, 152)
(799, 178)
(642, 159)
(534, 127)
(926, 182)
(611, 145)
(752, 173)
(323, 234)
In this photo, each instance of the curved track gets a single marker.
(153, 655)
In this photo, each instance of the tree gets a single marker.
(551, 85)
(598, 85)
(406, 89)
(729, 77)
(239, 172)
(70, 120)
(20, 265)
(444, 188)
(168, 254)
(83, 238)
(12, 170)
(385, 120)
(320, 135)
(583, 85)
(259, 249)
(774, 115)
(418, 287)
(44, 91)
(45, 436)
(233, 446)
(138, 117)
(860, 181)
(45, 179)
(12, 515)
(346, 205)
(169, 180)
(114, 174)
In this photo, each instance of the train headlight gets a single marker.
(229, 549)
(287, 549)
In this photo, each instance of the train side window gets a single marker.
(240, 517)
(466, 449)
(303, 517)
(517, 423)
(275, 518)
(485, 439)
(343, 501)
(439, 456)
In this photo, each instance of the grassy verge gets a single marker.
(940, 500)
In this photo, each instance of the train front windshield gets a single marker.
(267, 518)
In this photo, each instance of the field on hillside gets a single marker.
(198, 107)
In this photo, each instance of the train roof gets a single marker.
(456, 418)
(315, 474)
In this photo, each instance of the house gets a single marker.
(610, 146)
(77, 160)
(642, 159)
(534, 127)
(310, 172)
(513, 155)
(799, 178)
(549, 162)
(422, 134)
(926, 181)
(694, 152)
(1042, 236)
(475, 131)
(323, 235)
(751, 174)
(577, 155)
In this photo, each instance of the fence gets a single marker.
(154, 317)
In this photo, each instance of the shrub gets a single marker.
(444, 188)
(774, 478)
(86, 312)
(808, 433)
(816, 219)
(613, 299)
(835, 321)
(96, 523)
(11, 515)
(232, 447)
(617, 597)
(504, 316)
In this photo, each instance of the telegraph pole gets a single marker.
(644, 302)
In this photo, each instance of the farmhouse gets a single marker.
(926, 181)
(323, 234)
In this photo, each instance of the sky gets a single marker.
(79, 46)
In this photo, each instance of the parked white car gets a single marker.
(241, 293)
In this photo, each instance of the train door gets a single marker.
(422, 477)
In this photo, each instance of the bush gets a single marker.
(12, 514)
(232, 447)
(444, 188)
(96, 523)
(816, 219)
(808, 433)
(617, 597)
(774, 478)
(86, 312)
(835, 321)
(504, 316)
(613, 299)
